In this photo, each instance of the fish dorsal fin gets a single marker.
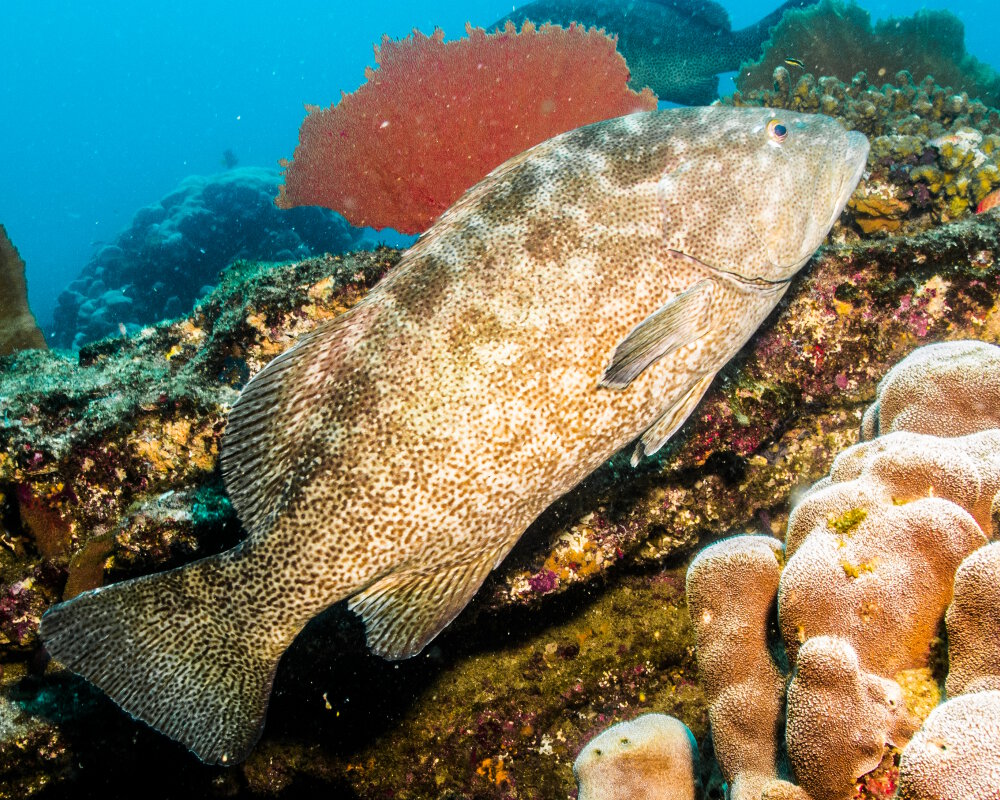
(406, 609)
(685, 318)
(704, 11)
(671, 420)
(277, 423)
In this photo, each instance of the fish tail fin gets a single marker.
(177, 651)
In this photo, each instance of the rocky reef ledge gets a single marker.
(109, 470)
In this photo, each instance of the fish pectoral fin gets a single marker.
(685, 318)
(405, 610)
(670, 420)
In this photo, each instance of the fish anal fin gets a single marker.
(406, 609)
(671, 420)
(684, 319)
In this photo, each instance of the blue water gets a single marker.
(107, 105)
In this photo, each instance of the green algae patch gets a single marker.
(846, 523)
(499, 716)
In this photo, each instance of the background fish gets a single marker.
(583, 294)
(675, 47)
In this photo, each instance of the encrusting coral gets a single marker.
(973, 624)
(652, 757)
(436, 117)
(18, 330)
(840, 718)
(838, 40)
(956, 754)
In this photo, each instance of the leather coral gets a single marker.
(435, 117)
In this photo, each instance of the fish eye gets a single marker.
(776, 130)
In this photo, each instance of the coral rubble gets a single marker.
(436, 117)
(172, 253)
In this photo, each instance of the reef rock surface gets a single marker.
(108, 469)
(172, 252)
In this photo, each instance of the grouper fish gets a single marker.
(675, 47)
(579, 298)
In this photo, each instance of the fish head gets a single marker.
(754, 191)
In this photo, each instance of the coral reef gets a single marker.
(883, 583)
(873, 560)
(935, 154)
(838, 40)
(652, 757)
(18, 329)
(108, 470)
(436, 117)
(172, 253)
(973, 624)
(956, 753)
(840, 718)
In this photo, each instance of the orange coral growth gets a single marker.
(992, 200)
(436, 117)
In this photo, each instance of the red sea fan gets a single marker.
(436, 117)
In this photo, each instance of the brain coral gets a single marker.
(879, 577)
(899, 468)
(839, 718)
(956, 754)
(947, 389)
(731, 586)
(652, 757)
(974, 624)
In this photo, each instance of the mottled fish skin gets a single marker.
(675, 47)
(583, 293)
